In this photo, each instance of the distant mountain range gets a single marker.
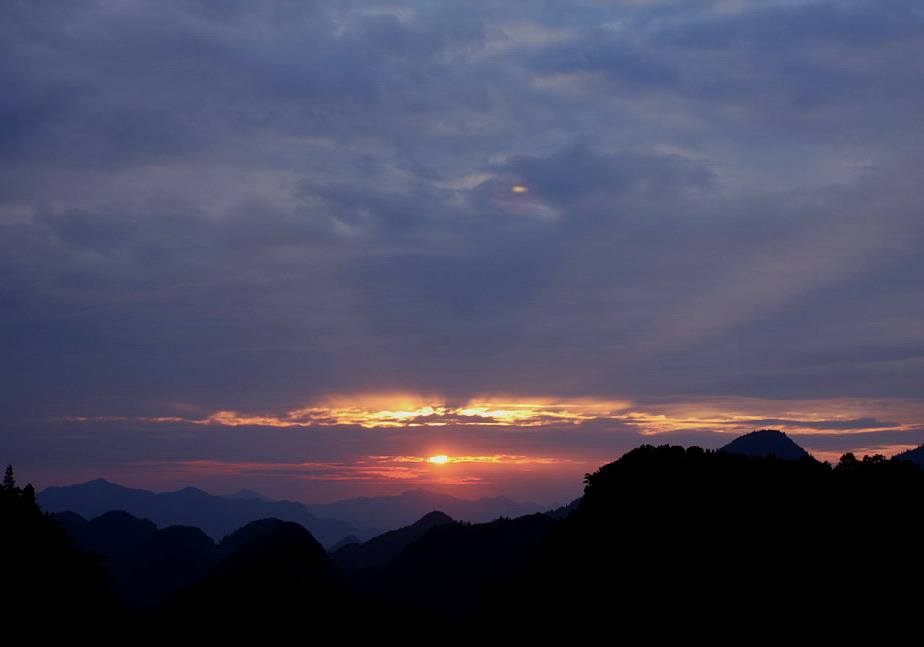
(218, 516)
(333, 523)
(663, 537)
(390, 512)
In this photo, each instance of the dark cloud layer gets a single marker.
(249, 206)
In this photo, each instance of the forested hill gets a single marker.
(668, 539)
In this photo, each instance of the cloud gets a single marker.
(247, 208)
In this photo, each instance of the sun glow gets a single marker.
(391, 411)
(401, 411)
(439, 459)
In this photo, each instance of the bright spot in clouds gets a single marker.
(722, 415)
(519, 189)
(438, 459)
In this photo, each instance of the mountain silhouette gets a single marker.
(563, 511)
(379, 551)
(391, 512)
(244, 493)
(272, 587)
(147, 565)
(71, 522)
(449, 568)
(915, 456)
(765, 442)
(287, 550)
(248, 533)
(215, 515)
(170, 559)
(114, 534)
(346, 541)
(667, 541)
(363, 517)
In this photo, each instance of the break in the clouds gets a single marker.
(256, 207)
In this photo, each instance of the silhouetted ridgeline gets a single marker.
(666, 543)
(379, 551)
(147, 565)
(215, 515)
(451, 565)
(672, 541)
(390, 512)
(330, 523)
(281, 585)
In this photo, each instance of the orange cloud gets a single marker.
(396, 411)
(795, 417)
(731, 416)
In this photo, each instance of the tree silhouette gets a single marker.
(848, 462)
(39, 562)
(9, 481)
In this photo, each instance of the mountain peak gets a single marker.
(244, 493)
(189, 490)
(434, 518)
(101, 483)
(765, 442)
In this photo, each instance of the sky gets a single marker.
(303, 246)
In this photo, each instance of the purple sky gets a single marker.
(300, 246)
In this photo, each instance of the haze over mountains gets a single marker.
(215, 515)
(760, 537)
(330, 523)
(218, 516)
(387, 512)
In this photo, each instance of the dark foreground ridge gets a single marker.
(672, 541)
(667, 542)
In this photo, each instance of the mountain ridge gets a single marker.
(217, 516)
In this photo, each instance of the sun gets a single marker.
(438, 459)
